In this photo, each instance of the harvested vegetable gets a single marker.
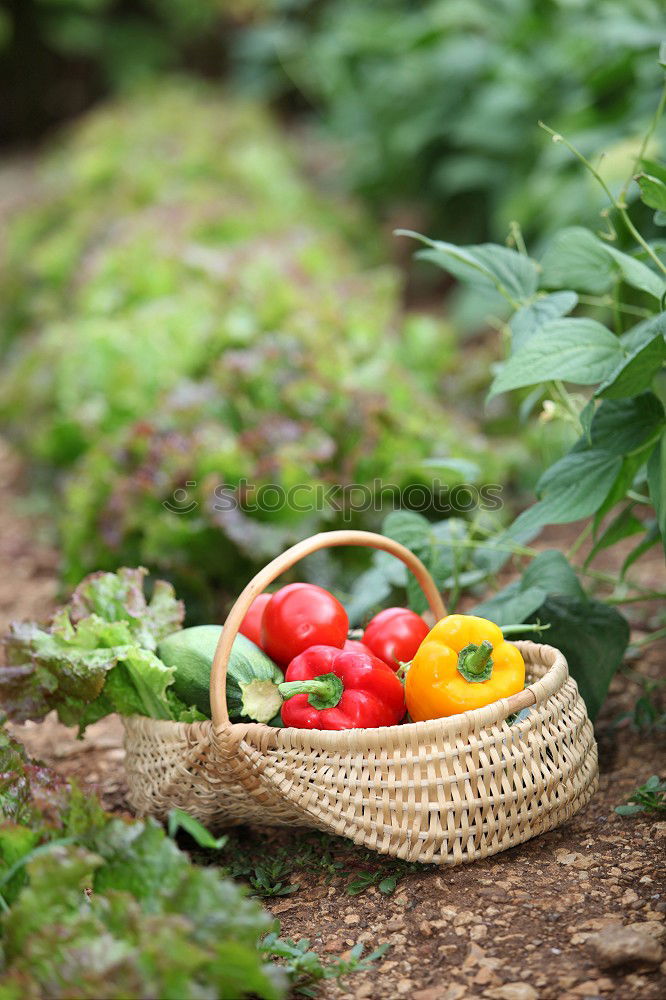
(356, 646)
(394, 635)
(464, 663)
(252, 677)
(329, 688)
(302, 615)
(251, 624)
(97, 655)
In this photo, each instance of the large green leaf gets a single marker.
(622, 425)
(408, 528)
(656, 474)
(634, 371)
(592, 636)
(622, 526)
(575, 258)
(637, 274)
(655, 168)
(552, 571)
(631, 464)
(120, 597)
(512, 274)
(652, 537)
(549, 573)
(576, 485)
(571, 489)
(530, 318)
(576, 350)
(512, 605)
(653, 191)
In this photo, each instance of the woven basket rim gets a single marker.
(272, 738)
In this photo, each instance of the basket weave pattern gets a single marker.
(445, 791)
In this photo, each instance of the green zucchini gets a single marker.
(252, 677)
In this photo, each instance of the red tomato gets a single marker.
(356, 646)
(394, 635)
(301, 615)
(251, 624)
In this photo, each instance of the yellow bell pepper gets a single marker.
(463, 663)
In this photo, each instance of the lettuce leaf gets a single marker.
(101, 907)
(119, 597)
(97, 656)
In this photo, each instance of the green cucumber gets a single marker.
(252, 677)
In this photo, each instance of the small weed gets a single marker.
(304, 967)
(271, 879)
(385, 878)
(648, 713)
(179, 820)
(364, 880)
(268, 867)
(650, 797)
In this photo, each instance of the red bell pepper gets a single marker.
(329, 688)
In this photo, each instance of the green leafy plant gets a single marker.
(435, 103)
(647, 713)
(267, 867)
(613, 478)
(304, 967)
(649, 798)
(83, 49)
(97, 656)
(97, 906)
(386, 884)
(270, 879)
(182, 317)
(180, 820)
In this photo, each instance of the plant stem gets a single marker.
(617, 315)
(517, 629)
(557, 137)
(620, 207)
(640, 240)
(644, 145)
(568, 403)
(607, 300)
(324, 691)
(474, 661)
(579, 540)
(638, 497)
(646, 640)
(517, 236)
(646, 595)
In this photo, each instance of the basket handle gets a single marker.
(283, 562)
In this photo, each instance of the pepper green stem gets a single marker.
(324, 691)
(517, 629)
(474, 662)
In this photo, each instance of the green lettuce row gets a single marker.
(98, 907)
(193, 310)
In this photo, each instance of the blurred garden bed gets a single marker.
(184, 312)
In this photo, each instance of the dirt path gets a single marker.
(514, 927)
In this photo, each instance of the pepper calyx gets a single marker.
(475, 662)
(403, 670)
(324, 691)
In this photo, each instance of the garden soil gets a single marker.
(576, 913)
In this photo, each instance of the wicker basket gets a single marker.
(445, 791)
